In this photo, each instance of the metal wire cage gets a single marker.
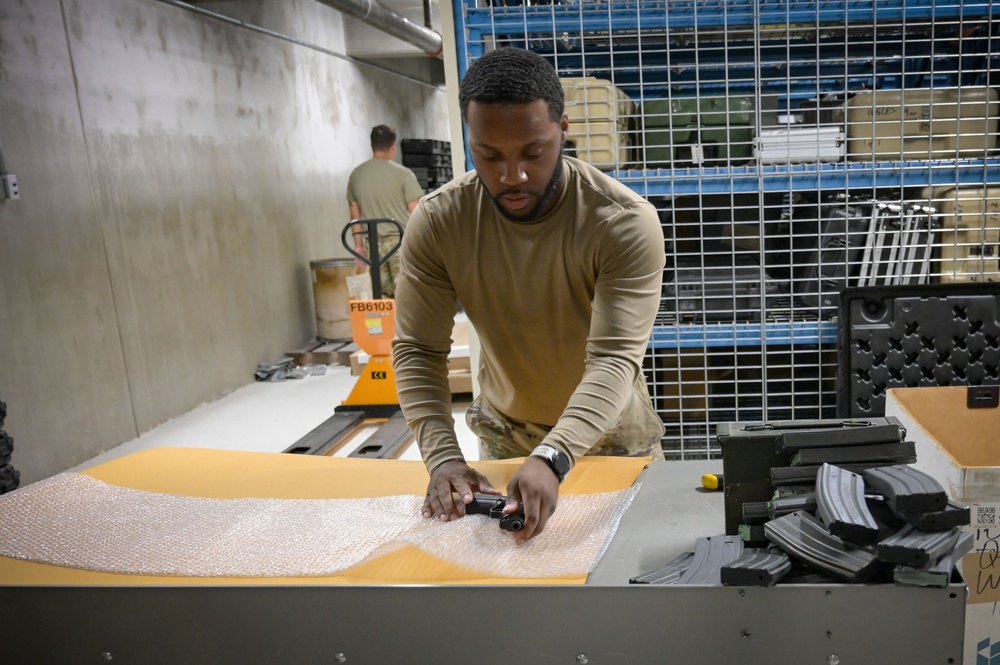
(793, 149)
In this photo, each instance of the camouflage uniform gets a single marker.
(636, 434)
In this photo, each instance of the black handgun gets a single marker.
(492, 505)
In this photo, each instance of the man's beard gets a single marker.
(551, 189)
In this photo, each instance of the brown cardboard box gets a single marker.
(960, 447)
(460, 381)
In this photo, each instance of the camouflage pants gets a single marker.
(636, 434)
(390, 268)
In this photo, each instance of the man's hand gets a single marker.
(535, 489)
(458, 477)
(359, 247)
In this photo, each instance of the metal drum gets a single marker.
(332, 298)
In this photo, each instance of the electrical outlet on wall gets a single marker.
(10, 188)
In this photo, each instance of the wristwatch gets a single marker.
(556, 459)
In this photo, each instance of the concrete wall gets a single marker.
(177, 175)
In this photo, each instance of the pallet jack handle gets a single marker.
(375, 261)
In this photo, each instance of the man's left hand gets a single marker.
(535, 489)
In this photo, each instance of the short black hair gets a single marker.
(512, 76)
(383, 137)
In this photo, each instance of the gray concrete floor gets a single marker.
(270, 417)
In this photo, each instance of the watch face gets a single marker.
(557, 459)
(561, 462)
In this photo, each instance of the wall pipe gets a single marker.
(388, 21)
(298, 42)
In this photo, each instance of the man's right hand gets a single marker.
(453, 477)
(533, 489)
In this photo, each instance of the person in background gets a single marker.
(382, 188)
(559, 268)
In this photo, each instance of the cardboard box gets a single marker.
(960, 448)
(460, 381)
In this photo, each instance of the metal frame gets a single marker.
(770, 62)
(871, 624)
(603, 622)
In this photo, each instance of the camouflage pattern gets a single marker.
(390, 268)
(636, 434)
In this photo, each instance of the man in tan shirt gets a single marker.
(382, 189)
(559, 268)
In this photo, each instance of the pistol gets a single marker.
(492, 505)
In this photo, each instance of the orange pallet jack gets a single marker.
(373, 399)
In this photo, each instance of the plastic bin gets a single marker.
(603, 144)
(592, 99)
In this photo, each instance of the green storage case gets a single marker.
(722, 126)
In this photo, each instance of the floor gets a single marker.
(270, 417)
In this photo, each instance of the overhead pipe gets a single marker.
(298, 42)
(381, 17)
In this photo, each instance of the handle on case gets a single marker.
(983, 397)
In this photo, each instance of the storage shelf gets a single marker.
(730, 354)
(648, 48)
(699, 336)
(792, 177)
(679, 16)
(799, 74)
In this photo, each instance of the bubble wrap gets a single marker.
(77, 521)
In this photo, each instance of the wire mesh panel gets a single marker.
(793, 149)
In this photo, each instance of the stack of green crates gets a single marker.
(721, 126)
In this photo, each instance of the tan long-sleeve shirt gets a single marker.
(563, 307)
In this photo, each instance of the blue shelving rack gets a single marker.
(772, 358)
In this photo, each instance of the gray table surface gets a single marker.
(667, 516)
(607, 621)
